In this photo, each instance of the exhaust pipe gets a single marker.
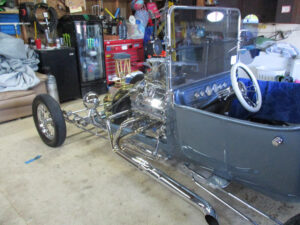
(160, 176)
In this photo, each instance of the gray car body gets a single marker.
(232, 148)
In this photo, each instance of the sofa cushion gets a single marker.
(14, 94)
(16, 112)
(41, 76)
(17, 101)
(15, 104)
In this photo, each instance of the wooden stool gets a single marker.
(123, 65)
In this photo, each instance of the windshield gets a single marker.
(204, 42)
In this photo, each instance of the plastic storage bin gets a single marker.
(9, 18)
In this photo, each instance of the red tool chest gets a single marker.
(133, 47)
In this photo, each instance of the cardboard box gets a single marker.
(75, 3)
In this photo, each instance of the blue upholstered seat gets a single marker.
(280, 102)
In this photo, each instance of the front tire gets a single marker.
(49, 120)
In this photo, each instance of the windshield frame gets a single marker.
(168, 39)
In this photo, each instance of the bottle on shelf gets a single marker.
(122, 30)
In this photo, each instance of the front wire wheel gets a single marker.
(49, 120)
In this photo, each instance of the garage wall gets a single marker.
(52, 3)
(111, 5)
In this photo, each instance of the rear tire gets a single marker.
(123, 105)
(137, 78)
(295, 220)
(49, 120)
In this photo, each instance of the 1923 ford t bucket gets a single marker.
(200, 108)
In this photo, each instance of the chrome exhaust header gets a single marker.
(155, 173)
(184, 192)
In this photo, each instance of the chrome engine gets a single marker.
(149, 97)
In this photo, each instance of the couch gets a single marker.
(17, 104)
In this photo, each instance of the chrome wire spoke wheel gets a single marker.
(45, 121)
(49, 120)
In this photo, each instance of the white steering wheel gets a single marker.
(241, 90)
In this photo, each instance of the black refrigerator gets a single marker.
(63, 65)
(85, 34)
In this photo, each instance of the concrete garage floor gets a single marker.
(83, 182)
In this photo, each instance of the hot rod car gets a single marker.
(202, 108)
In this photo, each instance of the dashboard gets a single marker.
(202, 91)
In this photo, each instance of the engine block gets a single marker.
(150, 100)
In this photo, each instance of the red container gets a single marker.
(38, 43)
(133, 47)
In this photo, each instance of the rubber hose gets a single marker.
(53, 17)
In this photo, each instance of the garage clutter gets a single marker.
(170, 89)
(78, 41)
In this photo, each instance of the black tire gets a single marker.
(295, 220)
(123, 105)
(137, 78)
(58, 121)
